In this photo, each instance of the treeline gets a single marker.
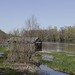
(65, 34)
(62, 35)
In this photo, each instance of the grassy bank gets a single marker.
(61, 62)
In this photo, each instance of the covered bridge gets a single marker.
(35, 41)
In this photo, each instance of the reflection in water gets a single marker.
(58, 47)
(1, 54)
(44, 70)
(70, 55)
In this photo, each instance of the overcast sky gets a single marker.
(13, 13)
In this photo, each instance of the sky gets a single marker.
(14, 13)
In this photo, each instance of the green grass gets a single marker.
(8, 71)
(62, 62)
(12, 72)
(4, 49)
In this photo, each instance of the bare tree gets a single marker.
(31, 27)
(21, 49)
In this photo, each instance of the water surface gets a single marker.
(47, 57)
(1, 54)
(58, 47)
(44, 70)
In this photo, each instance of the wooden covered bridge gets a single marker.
(33, 41)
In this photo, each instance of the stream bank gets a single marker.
(60, 61)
